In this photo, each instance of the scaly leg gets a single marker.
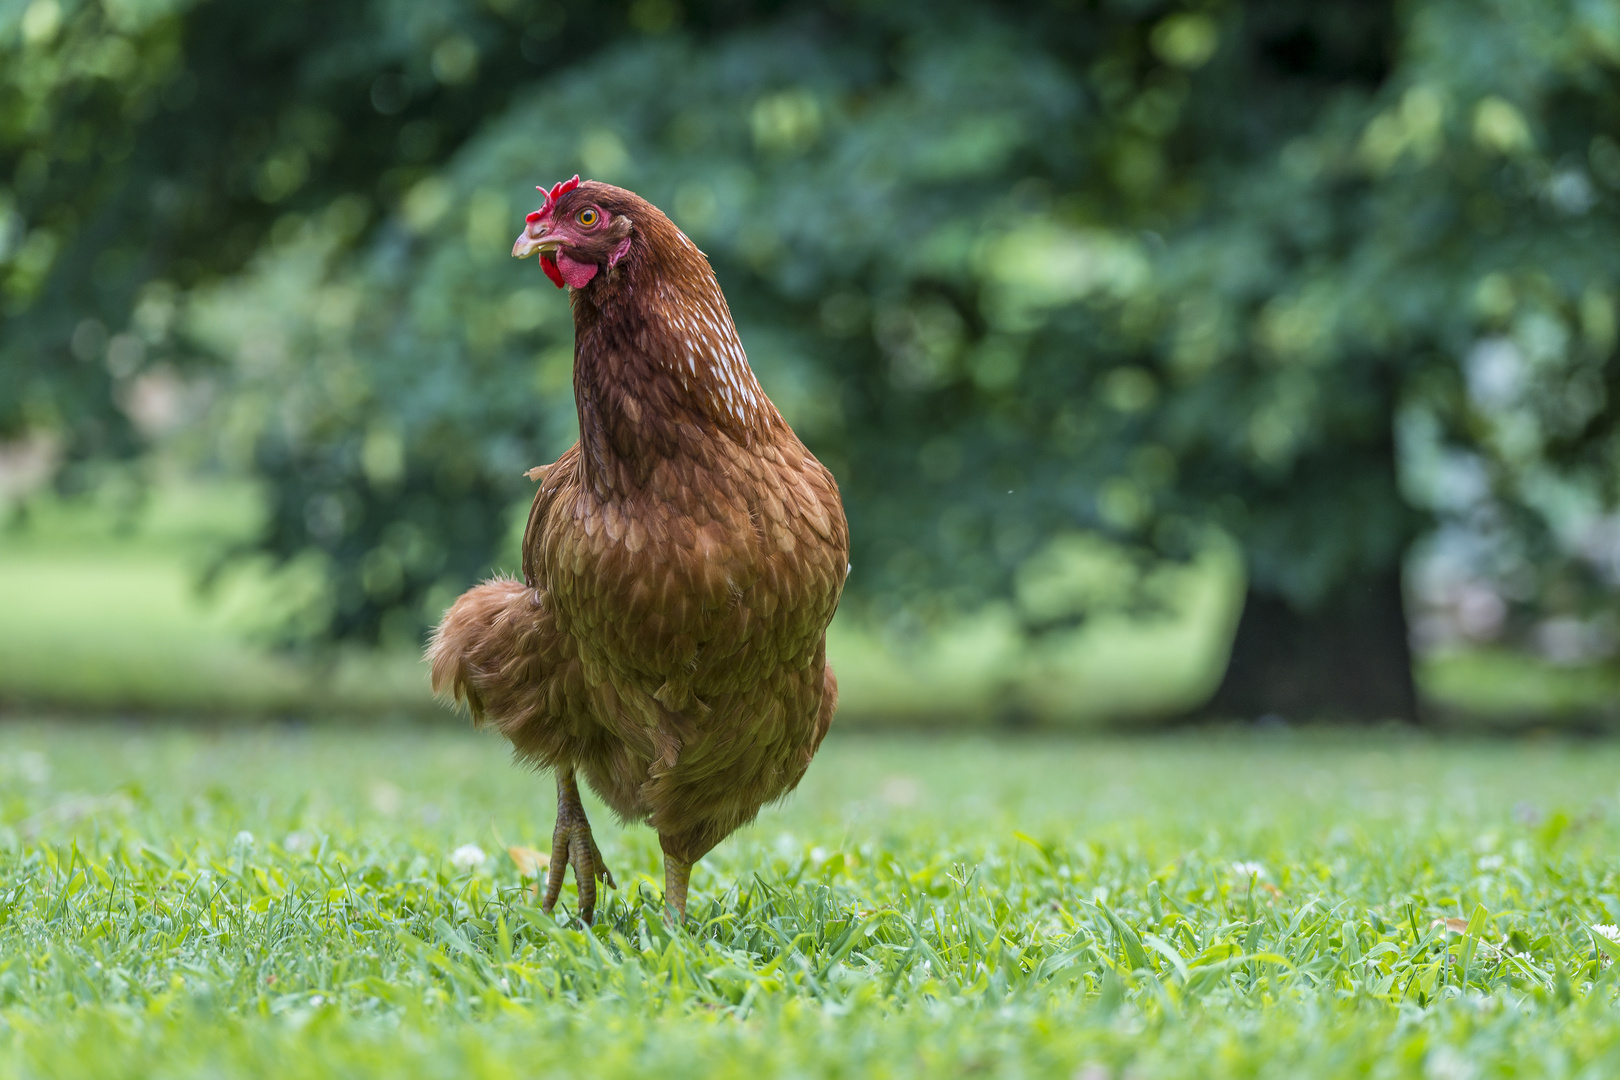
(573, 845)
(677, 875)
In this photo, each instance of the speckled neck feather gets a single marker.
(655, 353)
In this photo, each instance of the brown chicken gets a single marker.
(680, 565)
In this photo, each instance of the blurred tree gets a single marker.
(1323, 275)
(147, 149)
(945, 231)
(1403, 313)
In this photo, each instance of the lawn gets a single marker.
(274, 901)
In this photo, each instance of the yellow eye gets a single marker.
(588, 216)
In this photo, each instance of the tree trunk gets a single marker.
(1349, 660)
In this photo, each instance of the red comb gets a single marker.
(558, 190)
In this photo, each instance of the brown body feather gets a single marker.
(681, 564)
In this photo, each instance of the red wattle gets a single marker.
(549, 265)
(575, 273)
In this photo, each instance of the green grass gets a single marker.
(287, 902)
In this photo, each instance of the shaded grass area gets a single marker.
(100, 609)
(326, 901)
(1495, 687)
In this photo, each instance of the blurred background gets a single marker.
(1177, 360)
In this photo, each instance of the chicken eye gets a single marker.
(588, 217)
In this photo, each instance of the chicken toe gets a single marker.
(573, 845)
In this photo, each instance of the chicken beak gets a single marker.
(533, 238)
(527, 244)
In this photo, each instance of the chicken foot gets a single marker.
(573, 845)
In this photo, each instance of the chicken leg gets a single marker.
(573, 845)
(677, 875)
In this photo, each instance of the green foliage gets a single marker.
(313, 903)
(1024, 275)
(1321, 275)
(1428, 268)
(149, 148)
(911, 225)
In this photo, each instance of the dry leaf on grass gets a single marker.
(529, 861)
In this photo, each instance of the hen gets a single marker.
(681, 563)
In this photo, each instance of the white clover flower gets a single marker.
(468, 857)
(1608, 930)
(1245, 870)
(242, 840)
(1490, 862)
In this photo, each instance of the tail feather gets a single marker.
(485, 643)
